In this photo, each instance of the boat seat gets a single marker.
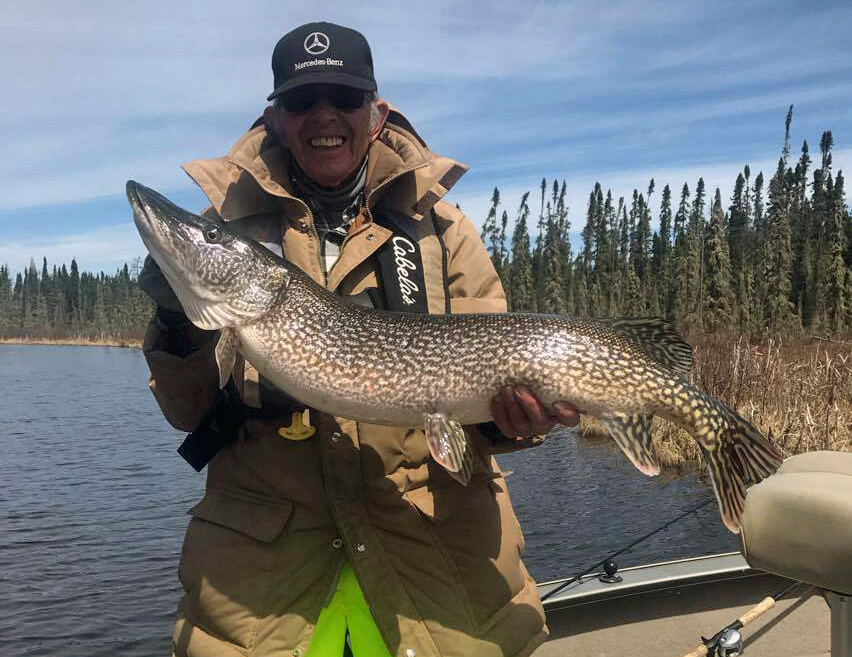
(798, 522)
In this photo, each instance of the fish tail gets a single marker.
(738, 455)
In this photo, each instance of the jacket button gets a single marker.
(337, 544)
(296, 652)
(336, 437)
(411, 652)
(361, 547)
(370, 236)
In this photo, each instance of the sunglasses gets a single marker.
(302, 99)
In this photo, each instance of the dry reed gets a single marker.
(104, 340)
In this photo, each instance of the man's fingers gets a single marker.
(517, 416)
(537, 415)
(566, 414)
(519, 413)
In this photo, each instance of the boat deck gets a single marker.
(664, 609)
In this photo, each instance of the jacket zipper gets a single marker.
(369, 212)
(316, 239)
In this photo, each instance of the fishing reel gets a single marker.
(730, 644)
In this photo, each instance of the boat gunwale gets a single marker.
(664, 574)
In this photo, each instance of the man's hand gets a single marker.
(154, 284)
(518, 413)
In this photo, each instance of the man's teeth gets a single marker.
(326, 142)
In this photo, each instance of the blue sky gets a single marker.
(99, 92)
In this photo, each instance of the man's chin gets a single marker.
(328, 173)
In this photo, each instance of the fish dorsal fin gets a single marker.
(632, 433)
(659, 339)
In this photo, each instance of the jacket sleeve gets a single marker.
(185, 382)
(475, 287)
(184, 375)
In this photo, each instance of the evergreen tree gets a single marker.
(761, 229)
(680, 262)
(737, 230)
(74, 294)
(836, 272)
(695, 261)
(494, 234)
(719, 297)
(643, 237)
(800, 240)
(520, 291)
(778, 264)
(5, 298)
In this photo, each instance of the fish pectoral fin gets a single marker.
(449, 446)
(632, 433)
(226, 354)
(658, 339)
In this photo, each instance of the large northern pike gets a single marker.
(440, 370)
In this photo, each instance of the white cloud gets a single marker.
(104, 249)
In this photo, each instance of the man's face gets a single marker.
(326, 136)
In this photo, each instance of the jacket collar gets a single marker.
(252, 178)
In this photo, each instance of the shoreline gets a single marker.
(75, 342)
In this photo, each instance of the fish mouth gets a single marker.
(161, 230)
(151, 208)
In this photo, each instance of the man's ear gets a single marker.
(384, 110)
(273, 123)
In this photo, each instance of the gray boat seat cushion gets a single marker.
(798, 522)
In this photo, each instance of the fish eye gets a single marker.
(213, 234)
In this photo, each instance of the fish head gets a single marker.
(221, 278)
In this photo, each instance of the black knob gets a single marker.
(610, 570)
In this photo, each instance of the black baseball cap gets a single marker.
(322, 53)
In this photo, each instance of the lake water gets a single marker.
(93, 502)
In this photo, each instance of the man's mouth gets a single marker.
(325, 143)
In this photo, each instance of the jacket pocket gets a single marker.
(262, 521)
(227, 563)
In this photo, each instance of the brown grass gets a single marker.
(796, 391)
(76, 341)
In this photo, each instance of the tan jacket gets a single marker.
(439, 564)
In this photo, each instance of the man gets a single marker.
(318, 535)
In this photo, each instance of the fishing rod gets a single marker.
(728, 642)
(624, 549)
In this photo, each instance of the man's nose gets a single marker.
(323, 108)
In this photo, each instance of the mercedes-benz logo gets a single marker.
(316, 43)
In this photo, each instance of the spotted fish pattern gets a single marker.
(440, 371)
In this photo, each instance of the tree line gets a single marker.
(773, 258)
(63, 302)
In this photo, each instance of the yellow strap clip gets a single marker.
(298, 430)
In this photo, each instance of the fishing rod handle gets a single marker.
(765, 605)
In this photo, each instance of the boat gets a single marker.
(787, 593)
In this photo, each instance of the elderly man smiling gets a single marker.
(318, 535)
